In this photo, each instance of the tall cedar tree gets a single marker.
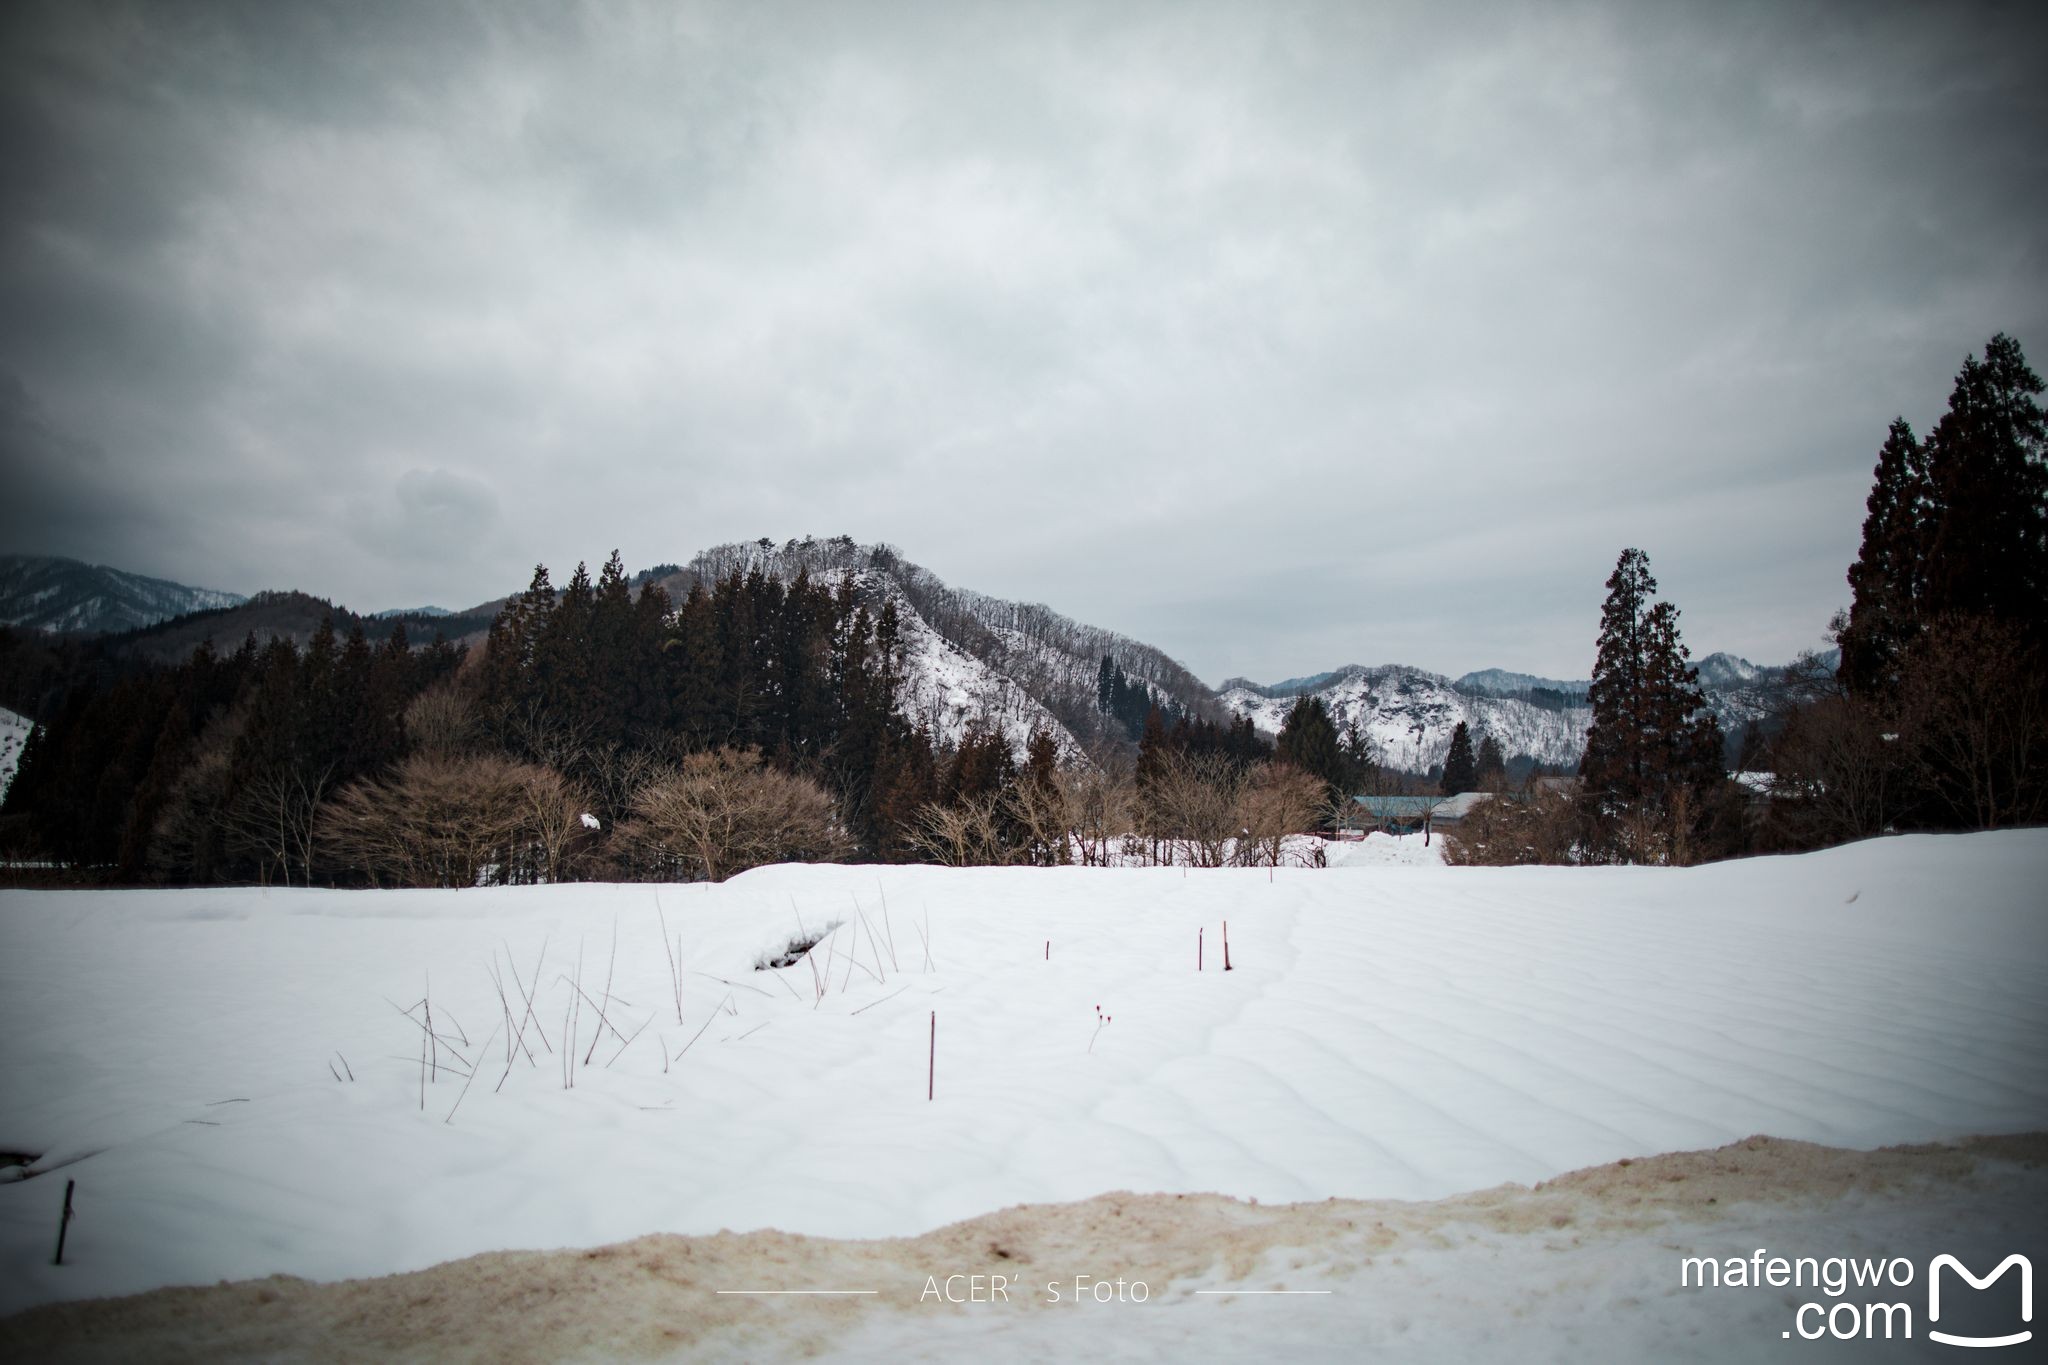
(1887, 579)
(1492, 766)
(1651, 733)
(1461, 769)
(1987, 462)
(1308, 740)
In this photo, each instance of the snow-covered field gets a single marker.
(1388, 1032)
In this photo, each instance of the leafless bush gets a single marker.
(1101, 807)
(270, 820)
(1190, 803)
(1537, 825)
(1039, 817)
(450, 821)
(724, 811)
(967, 834)
(1275, 800)
(1974, 713)
(1839, 773)
(441, 722)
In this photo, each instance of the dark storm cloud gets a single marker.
(1279, 335)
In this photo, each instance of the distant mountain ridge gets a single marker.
(972, 660)
(1409, 713)
(48, 592)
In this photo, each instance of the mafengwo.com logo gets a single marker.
(1846, 1316)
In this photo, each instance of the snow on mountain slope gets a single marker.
(1409, 715)
(949, 690)
(14, 732)
(44, 592)
(1013, 664)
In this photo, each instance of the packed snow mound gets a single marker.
(1499, 1274)
(14, 733)
(1386, 1032)
(1408, 716)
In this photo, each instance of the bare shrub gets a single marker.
(1038, 816)
(1973, 709)
(723, 811)
(1275, 800)
(454, 821)
(441, 722)
(964, 834)
(1536, 825)
(1101, 807)
(270, 820)
(1190, 803)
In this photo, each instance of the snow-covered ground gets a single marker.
(1388, 1032)
(14, 732)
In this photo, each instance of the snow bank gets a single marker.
(1584, 1267)
(1389, 1032)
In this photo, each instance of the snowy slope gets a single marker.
(47, 593)
(14, 732)
(948, 690)
(1387, 1032)
(1006, 664)
(1409, 715)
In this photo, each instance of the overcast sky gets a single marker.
(1278, 335)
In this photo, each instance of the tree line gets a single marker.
(1933, 715)
(601, 731)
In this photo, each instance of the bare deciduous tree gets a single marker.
(966, 834)
(453, 822)
(1275, 800)
(724, 811)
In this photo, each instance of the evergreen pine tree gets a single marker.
(1308, 740)
(1987, 463)
(1461, 770)
(1651, 734)
(1887, 579)
(1492, 765)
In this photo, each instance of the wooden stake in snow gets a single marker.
(1198, 950)
(1048, 950)
(1226, 945)
(64, 1222)
(932, 1065)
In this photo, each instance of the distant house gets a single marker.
(1415, 814)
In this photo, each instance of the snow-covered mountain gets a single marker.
(1408, 714)
(971, 657)
(14, 733)
(1500, 682)
(43, 592)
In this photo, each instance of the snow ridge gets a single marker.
(43, 592)
(1408, 714)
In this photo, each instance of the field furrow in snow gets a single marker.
(1388, 1032)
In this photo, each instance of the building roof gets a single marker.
(1416, 807)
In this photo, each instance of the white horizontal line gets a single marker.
(799, 1291)
(1265, 1291)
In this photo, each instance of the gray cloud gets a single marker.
(1281, 336)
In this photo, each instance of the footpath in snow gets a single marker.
(1403, 1033)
